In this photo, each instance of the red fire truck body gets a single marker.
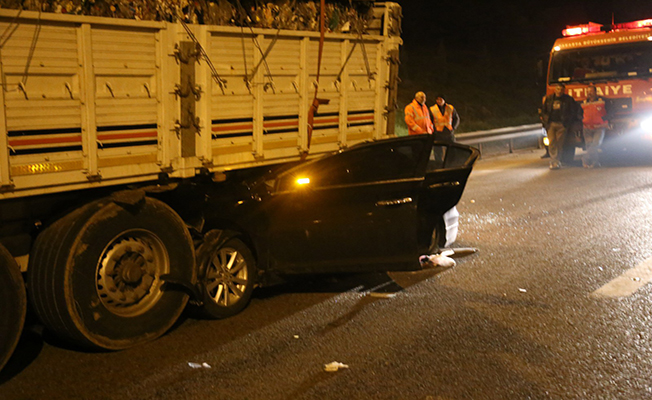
(618, 61)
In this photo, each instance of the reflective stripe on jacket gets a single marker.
(443, 120)
(417, 118)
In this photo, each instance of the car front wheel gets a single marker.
(227, 276)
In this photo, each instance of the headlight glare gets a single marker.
(646, 124)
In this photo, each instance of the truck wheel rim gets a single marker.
(128, 273)
(226, 277)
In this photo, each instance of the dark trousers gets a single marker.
(444, 136)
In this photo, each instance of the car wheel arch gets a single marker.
(222, 232)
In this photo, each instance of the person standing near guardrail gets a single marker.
(446, 119)
(558, 114)
(417, 116)
(594, 124)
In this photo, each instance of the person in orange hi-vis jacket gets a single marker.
(595, 122)
(417, 116)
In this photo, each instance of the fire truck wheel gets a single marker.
(13, 305)
(94, 277)
(227, 277)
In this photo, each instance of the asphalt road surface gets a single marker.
(555, 305)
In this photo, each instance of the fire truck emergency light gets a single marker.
(591, 27)
(644, 23)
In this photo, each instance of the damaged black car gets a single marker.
(373, 207)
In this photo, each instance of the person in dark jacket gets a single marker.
(559, 113)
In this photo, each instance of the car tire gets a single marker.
(227, 276)
(13, 305)
(94, 275)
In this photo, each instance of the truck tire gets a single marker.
(227, 277)
(13, 305)
(94, 275)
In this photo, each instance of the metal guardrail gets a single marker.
(498, 135)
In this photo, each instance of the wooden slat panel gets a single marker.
(138, 49)
(26, 31)
(112, 89)
(121, 70)
(129, 38)
(280, 104)
(44, 123)
(37, 65)
(226, 52)
(360, 135)
(43, 114)
(222, 150)
(325, 139)
(35, 111)
(280, 144)
(229, 107)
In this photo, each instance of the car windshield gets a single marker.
(602, 63)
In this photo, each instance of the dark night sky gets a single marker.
(483, 54)
(503, 23)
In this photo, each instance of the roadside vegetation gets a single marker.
(488, 92)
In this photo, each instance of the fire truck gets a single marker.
(100, 115)
(617, 60)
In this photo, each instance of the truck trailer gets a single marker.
(103, 118)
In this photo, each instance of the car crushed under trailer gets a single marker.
(374, 207)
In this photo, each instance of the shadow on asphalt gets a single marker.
(28, 349)
(269, 305)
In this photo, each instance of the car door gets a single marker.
(354, 211)
(446, 173)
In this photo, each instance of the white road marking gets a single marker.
(628, 283)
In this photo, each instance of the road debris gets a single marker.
(436, 260)
(460, 251)
(382, 295)
(522, 290)
(334, 366)
(197, 366)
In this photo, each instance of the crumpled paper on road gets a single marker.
(334, 366)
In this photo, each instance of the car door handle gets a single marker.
(394, 202)
(443, 184)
